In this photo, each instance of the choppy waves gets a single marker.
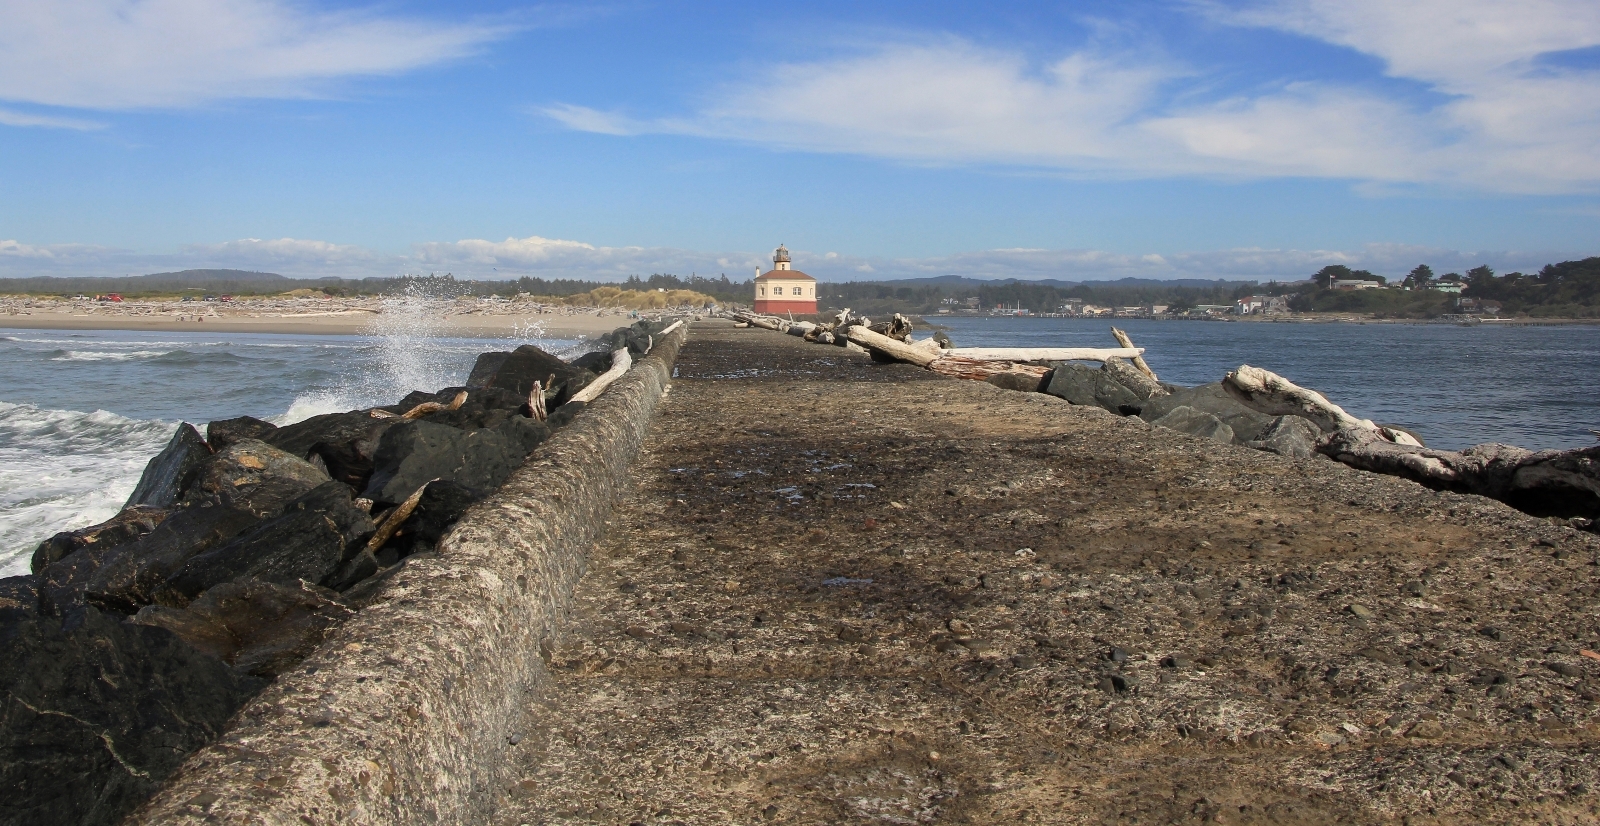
(65, 469)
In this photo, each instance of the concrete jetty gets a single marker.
(841, 591)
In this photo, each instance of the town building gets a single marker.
(1453, 287)
(1261, 305)
(1356, 284)
(785, 290)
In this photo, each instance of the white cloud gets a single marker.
(11, 117)
(128, 54)
(555, 258)
(1482, 112)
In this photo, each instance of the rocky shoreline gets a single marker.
(133, 642)
(1249, 407)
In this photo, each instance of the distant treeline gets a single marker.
(886, 296)
(1570, 289)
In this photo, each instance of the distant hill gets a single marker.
(214, 281)
(207, 276)
(967, 282)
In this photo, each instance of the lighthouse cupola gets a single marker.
(780, 258)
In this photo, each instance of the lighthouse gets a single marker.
(785, 290)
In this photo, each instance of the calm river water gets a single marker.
(1533, 386)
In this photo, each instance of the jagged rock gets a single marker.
(1289, 436)
(1082, 385)
(256, 477)
(129, 577)
(1196, 423)
(171, 471)
(310, 541)
(126, 526)
(1125, 374)
(413, 453)
(330, 428)
(261, 628)
(527, 364)
(93, 719)
(221, 434)
(1247, 424)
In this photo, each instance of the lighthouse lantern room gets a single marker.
(785, 290)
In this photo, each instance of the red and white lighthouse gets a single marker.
(783, 290)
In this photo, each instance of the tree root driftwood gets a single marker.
(1563, 483)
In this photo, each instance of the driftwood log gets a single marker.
(1138, 361)
(1042, 353)
(1545, 483)
(920, 356)
(983, 369)
(620, 362)
(1270, 393)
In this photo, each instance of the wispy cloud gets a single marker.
(557, 258)
(11, 117)
(1497, 119)
(133, 54)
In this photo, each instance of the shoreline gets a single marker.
(553, 325)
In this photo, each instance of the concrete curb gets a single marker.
(405, 714)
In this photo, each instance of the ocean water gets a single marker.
(1533, 386)
(82, 412)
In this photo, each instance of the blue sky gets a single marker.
(1075, 140)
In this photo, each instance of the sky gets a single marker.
(1094, 140)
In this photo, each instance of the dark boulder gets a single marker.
(329, 428)
(1015, 381)
(220, 434)
(1291, 436)
(256, 477)
(442, 503)
(596, 362)
(1196, 423)
(1247, 424)
(310, 541)
(470, 417)
(528, 364)
(345, 463)
(259, 627)
(171, 471)
(485, 367)
(563, 415)
(1125, 374)
(411, 454)
(95, 718)
(1082, 385)
(129, 578)
(126, 526)
(19, 602)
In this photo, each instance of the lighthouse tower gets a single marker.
(783, 289)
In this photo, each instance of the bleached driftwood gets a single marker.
(392, 521)
(1138, 361)
(434, 407)
(620, 362)
(1042, 353)
(920, 356)
(536, 409)
(981, 369)
(1270, 393)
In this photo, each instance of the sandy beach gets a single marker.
(300, 317)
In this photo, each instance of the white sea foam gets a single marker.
(97, 355)
(65, 469)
